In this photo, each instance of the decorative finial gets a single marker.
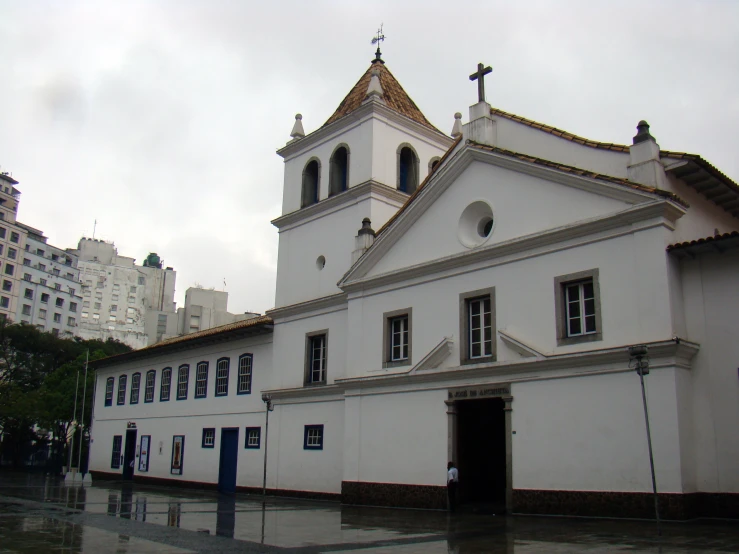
(457, 129)
(297, 132)
(376, 40)
(366, 227)
(479, 76)
(642, 132)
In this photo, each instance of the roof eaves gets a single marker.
(707, 240)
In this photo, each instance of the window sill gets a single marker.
(592, 337)
(398, 363)
(481, 360)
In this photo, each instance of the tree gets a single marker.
(38, 374)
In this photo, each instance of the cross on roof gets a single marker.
(479, 76)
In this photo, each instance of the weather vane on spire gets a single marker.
(376, 40)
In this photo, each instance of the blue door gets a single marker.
(229, 457)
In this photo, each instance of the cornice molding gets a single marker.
(337, 202)
(463, 159)
(505, 251)
(364, 111)
(281, 314)
(671, 353)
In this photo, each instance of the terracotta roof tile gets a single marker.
(707, 240)
(213, 331)
(395, 98)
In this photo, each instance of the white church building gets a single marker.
(471, 298)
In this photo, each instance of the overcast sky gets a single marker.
(161, 119)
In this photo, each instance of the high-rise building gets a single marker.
(121, 300)
(49, 289)
(12, 243)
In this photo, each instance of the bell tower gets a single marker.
(362, 163)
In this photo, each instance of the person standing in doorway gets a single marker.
(452, 482)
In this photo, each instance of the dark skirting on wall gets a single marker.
(625, 504)
(428, 497)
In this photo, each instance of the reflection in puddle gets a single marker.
(173, 515)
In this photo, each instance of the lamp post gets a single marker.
(267, 399)
(640, 360)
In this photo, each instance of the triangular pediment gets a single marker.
(448, 217)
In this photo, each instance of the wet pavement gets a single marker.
(40, 514)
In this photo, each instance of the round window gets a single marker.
(476, 224)
(320, 263)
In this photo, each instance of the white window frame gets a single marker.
(201, 380)
(222, 371)
(246, 362)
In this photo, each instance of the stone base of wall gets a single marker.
(625, 504)
(392, 494)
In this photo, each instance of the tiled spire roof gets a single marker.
(394, 96)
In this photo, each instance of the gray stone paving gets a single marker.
(40, 514)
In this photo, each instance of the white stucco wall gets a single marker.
(521, 204)
(711, 307)
(163, 420)
(588, 433)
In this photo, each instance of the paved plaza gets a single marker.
(40, 514)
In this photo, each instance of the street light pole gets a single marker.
(267, 399)
(82, 417)
(638, 355)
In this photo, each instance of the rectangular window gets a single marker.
(151, 377)
(316, 357)
(253, 437)
(116, 287)
(109, 384)
(4, 302)
(397, 336)
(39, 252)
(42, 282)
(14, 237)
(73, 306)
(86, 304)
(122, 390)
(12, 253)
(115, 460)
(209, 438)
(26, 309)
(245, 362)
(131, 299)
(477, 325)
(55, 271)
(97, 305)
(166, 384)
(71, 291)
(135, 386)
(222, 367)
(42, 314)
(577, 299)
(57, 286)
(57, 318)
(42, 267)
(133, 289)
(2, 232)
(84, 314)
(183, 377)
(113, 308)
(96, 317)
(59, 303)
(201, 380)
(44, 298)
(141, 280)
(71, 321)
(26, 261)
(27, 277)
(28, 293)
(8, 285)
(313, 437)
(111, 318)
(9, 269)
